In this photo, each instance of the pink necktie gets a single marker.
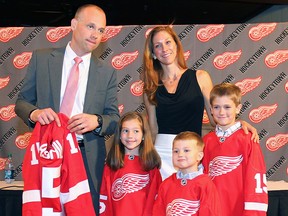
(71, 88)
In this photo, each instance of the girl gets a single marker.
(131, 175)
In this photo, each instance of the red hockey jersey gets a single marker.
(129, 190)
(236, 166)
(197, 197)
(55, 181)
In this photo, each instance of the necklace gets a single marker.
(170, 81)
(174, 78)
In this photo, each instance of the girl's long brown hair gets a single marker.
(148, 155)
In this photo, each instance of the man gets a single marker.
(95, 109)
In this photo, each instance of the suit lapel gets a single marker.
(55, 71)
(92, 85)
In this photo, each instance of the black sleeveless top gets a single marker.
(182, 110)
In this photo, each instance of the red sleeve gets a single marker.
(32, 177)
(255, 198)
(155, 181)
(105, 195)
(159, 208)
(210, 201)
(206, 157)
(75, 192)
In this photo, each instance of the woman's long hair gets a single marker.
(152, 68)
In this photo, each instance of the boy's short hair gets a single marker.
(188, 135)
(226, 89)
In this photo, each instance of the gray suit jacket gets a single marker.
(41, 89)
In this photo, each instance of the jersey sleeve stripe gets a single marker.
(74, 192)
(256, 206)
(31, 196)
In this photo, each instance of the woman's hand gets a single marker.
(247, 127)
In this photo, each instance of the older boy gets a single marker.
(233, 161)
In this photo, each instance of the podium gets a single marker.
(11, 198)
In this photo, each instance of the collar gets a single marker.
(192, 175)
(70, 54)
(221, 133)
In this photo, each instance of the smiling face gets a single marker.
(224, 111)
(164, 48)
(88, 27)
(186, 155)
(131, 136)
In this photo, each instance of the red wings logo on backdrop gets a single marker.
(223, 60)
(55, 34)
(147, 32)
(2, 163)
(124, 59)
(276, 142)
(286, 87)
(248, 85)
(186, 55)
(137, 88)
(121, 108)
(205, 119)
(22, 141)
(209, 32)
(7, 113)
(259, 114)
(7, 34)
(274, 59)
(260, 31)
(4, 81)
(110, 31)
(22, 60)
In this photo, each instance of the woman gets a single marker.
(175, 96)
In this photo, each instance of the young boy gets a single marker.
(189, 191)
(232, 160)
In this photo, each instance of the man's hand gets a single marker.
(82, 123)
(45, 116)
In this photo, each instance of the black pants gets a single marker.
(278, 203)
(94, 194)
